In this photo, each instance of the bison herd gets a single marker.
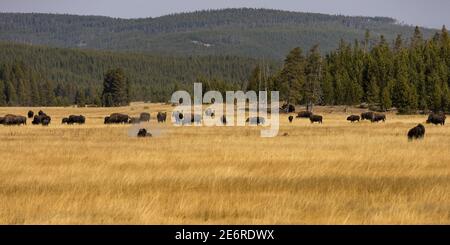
(41, 118)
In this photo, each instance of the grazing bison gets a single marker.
(46, 121)
(288, 108)
(144, 117)
(367, 116)
(353, 118)
(417, 132)
(117, 118)
(291, 118)
(436, 119)
(379, 118)
(316, 119)
(161, 117)
(256, 120)
(14, 120)
(30, 114)
(304, 114)
(72, 119)
(143, 133)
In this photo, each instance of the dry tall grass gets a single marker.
(335, 173)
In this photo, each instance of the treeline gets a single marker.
(409, 75)
(31, 75)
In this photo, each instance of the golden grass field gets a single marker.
(335, 173)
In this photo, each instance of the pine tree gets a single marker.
(115, 89)
(292, 77)
(10, 93)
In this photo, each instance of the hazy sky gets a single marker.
(430, 13)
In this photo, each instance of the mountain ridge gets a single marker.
(241, 32)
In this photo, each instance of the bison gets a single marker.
(291, 118)
(2, 120)
(117, 118)
(367, 116)
(161, 117)
(436, 119)
(72, 119)
(144, 117)
(30, 114)
(304, 114)
(417, 132)
(41, 119)
(316, 119)
(378, 118)
(143, 133)
(353, 118)
(288, 108)
(14, 120)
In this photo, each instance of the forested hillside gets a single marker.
(241, 32)
(34, 75)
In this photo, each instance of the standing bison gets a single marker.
(30, 114)
(316, 119)
(74, 119)
(291, 118)
(161, 117)
(14, 120)
(436, 119)
(143, 133)
(417, 132)
(144, 117)
(117, 118)
(353, 118)
(378, 118)
(367, 116)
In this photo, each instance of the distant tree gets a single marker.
(292, 77)
(115, 89)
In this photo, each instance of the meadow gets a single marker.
(335, 173)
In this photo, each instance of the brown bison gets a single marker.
(378, 118)
(30, 114)
(304, 114)
(143, 133)
(288, 108)
(367, 116)
(316, 119)
(417, 132)
(353, 118)
(72, 119)
(14, 120)
(144, 117)
(291, 118)
(436, 119)
(117, 118)
(161, 117)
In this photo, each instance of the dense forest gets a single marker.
(409, 75)
(32, 75)
(254, 33)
